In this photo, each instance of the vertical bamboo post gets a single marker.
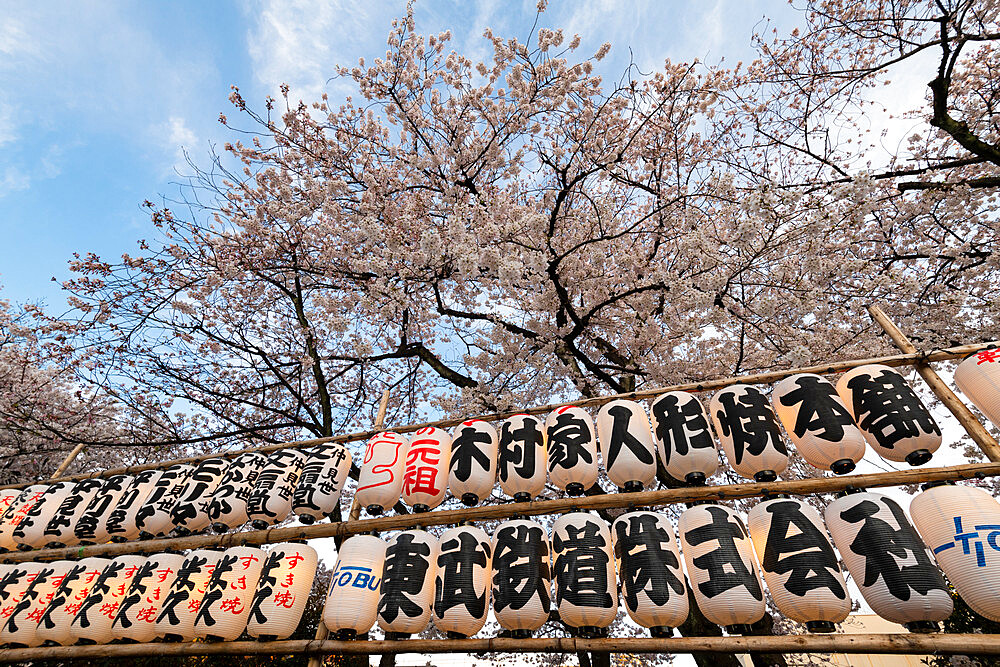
(321, 631)
(987, 443)
(68, 460)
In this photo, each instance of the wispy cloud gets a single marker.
(13, 180)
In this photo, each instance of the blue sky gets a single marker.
(99, 101)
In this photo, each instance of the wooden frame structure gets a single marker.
(838, 643)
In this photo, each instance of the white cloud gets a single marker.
(13, 180)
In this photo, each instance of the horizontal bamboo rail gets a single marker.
(539, 507)
(942, 644)
(908, 359)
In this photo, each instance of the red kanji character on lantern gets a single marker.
(36, 614)
(289, 578)
(232, 605)
(988, 356)
(161, 575)
(90, 576)
(193, 605)
(147, 614)
(82, 594)
(154, 595)
(7, 611)
(248, 560)
(130, 571)
(109, 609)
(420, 480)
(57, 581)
(284, 599)
(71, 609)
(239, 584)
(294, 560)
(122, 588)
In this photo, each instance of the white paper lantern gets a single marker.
(20, 629)
(180, 606)
(978, 377)
(474, 446)
(380, 482)
(92, 526)
(650, 571)
(749, 432)
(30, 533)
(818, 422)
(522, 576)
(627, 445)
(59, 532)
(8, 496)
(322, 480)
(122, 524)
(584, 572)
(799, 564)
(190, 512)
(225, 606)
(522, 457)
(572, 449)
(684, 438)
(352, 600)
(136, 617)
(16, 513)
(888, 561)
(15, 581)
(153, 518)
(228, 508)
(271, 499)
(92, 623)
(890, 414)
(721, 566)
(462, 581)
(407, 592)
(961, 525)
(55, 624)
(427, 462)
(282, 591)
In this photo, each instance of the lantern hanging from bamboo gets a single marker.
(282, 591)
(474, 446)
(749, 432)
(59, 531)
(627, 445)
(30, 533)
(428, 460)
(380, 482)
(522, 576)
(92, 527)
(92, 623)
(16, 513)
(684, 438)
(887, 560)
(15, 581)
(407, 591)
(799, 564)
(225, 606)
(317, 495)
(8, 496)
(190, 513)
(153, 518)
(818, 423)
(650, 571)
(271, 499)
(978, 377)
(462, 581)
(721, 566)
(891, 416)
(122, 524)
(20, 629)
(228, 508)
(352, 600)
(176, 618)
(584, 572)
(136, 617)
(55, 624)
(572, 449)
(522, 458)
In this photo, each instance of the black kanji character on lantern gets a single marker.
(454, 585)
(63, 518)
(646, 557)
(620, 436)
(820, 412)
(748, 420)
(681, 426)
(406, 565)
(466, 450)
(134, 597)
(265, 586)
(886, 550)
(181, 589)
(724, 564)
(889, 409)
(518, 447)
(567, 437)
(96, 596)
(581, 567)
(216, 588)
(28, 599)
(811, 559)
(61, 596)
(520, 567)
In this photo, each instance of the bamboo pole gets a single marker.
(909, 359)
(67, 461)
(556, 506)
(987, 443)
(899, 644)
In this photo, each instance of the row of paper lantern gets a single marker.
(207, 594)
(401, 584)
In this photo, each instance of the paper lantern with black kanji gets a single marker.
(978, 377)
(225, 606)
(522, 576)
(153, 518)
(136, 617)
(584, 572)
(522, 457)
(428, 459)
(228, 508)
(321, 482)
(474, 446)
(749, 432)
(55, 624)
(352, 599)
(7, 496)
(721, 566)
(271, 499)
(380, 482)
(684, 438)
(20, 629)
(282, 591)
(59, 531)
(961, 525)
(799, 564)
(15, 581)
(818, 423)
(180, 607)
(462, 581)
(627, 445)
(572, 449)
(190, 513)
(92, 526)
(650, 571)
(93, 620)
(122, 525)
(30, 533)
(16, 512)
(887, 560)
(407, 592)
(891, 416)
